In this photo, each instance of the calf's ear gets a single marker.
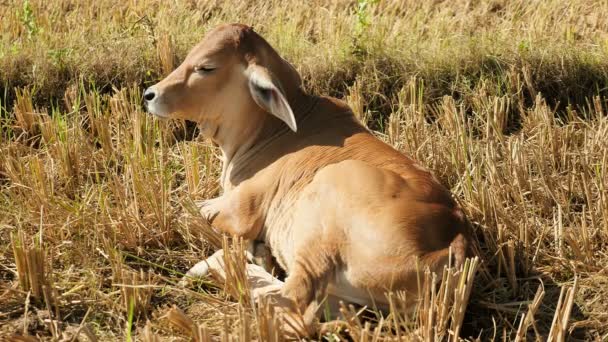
(268, 94)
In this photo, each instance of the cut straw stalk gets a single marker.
(32, 274)
(559, 327)
(527, 319)
(136, 287)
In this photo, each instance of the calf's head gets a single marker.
(231, 82)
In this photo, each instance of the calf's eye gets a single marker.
(203, 69)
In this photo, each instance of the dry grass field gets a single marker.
(505, 100)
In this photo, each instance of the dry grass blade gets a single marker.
(32, 273)
(136, 287)
(528, 319)
(23, 339)
(446, 305)
(180, 320)
(166, 54)
(24, 111)
(269, 323)
(236, 284)
(148, 335)
(559, 328)
(195, 224)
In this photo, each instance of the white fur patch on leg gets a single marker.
(215, 262)
(257, 276)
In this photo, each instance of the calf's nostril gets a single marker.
(149, 95)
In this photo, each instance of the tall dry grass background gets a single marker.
(505, 100)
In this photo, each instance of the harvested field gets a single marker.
(505, 100)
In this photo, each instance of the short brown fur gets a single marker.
(341, 210)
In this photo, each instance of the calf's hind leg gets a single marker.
(306, 284)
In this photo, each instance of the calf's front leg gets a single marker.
(238, 212)
(257, 253)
